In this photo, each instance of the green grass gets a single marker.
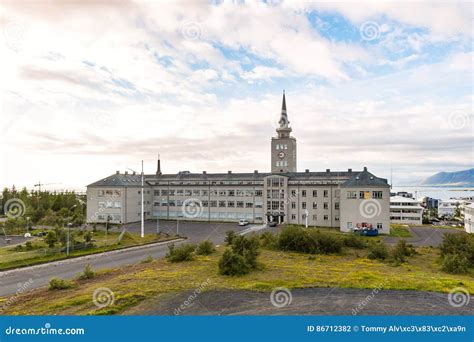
(10, 258)
(137, 286)
(399, 230)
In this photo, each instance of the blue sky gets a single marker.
(88, 89)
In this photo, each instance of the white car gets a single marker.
(243, 222)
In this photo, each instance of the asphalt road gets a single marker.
(309, 301)
(424, 236)
(11, 281)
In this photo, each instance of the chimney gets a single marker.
(126, 172)
(158, 167)
(117, 172)
(204, 173)
(307, 170)
(328, 170)
(134, 173)
(349, 170)
(229, 172)
(255, 171)
(365, 168)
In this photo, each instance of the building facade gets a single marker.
(405, 210)
(342, 199)
(469, 218)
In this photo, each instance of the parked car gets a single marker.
(272, 224)
(243, 222)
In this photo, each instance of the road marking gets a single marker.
(252, 229)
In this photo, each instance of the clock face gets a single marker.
(281, 155)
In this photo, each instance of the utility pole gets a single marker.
(143, 207)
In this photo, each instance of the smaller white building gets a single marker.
(405, 210)
(447, 207)
(469, 218)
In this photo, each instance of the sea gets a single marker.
(438, 192)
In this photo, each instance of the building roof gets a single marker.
(365, 179)
(119, 179)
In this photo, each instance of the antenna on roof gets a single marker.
(158, 168)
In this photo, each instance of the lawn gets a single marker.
(142, 283)
(399, 230)
(11, 257)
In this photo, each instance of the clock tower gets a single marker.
(283, 145)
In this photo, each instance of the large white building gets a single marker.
(447, 208)
(405, 210)
(344, 199)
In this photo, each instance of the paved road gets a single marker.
(424, 236)
(310, 301)
(11, 281)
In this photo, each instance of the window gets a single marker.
(258, 193)
(336, 205)
(293, 205)
(222, 193)
(186, 193)
(337, 193)
(303, 216)
(231, 193)
(286, 146)
(293, 216)
(326, 217)
(213, 204)
(315, 205)
(326, 206)
(221, 204)
(249, 205)
(303, 193)
(230, 204)
(315, 217)
(156, 193)
(336, 218)
(164, 192)
(377, 194)
(195, 192)
(379, 225)
(326, 192)
(240, 204)
(315, 193)
(349, 225)
(156, 204)
(171, 192)
(101, 193)
(205, 193)
(351, 194)
(293, 193)
(179, 192)
(303, 205)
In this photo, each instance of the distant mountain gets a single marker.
(457, 178)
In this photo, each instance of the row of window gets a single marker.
(281, 146)
(365, 194)
(281, 163)
(109, 193)
(223, 216)
(205, 193)
(212, 204)
(112, 217)
(315, 217)
(110, 204)
(350, 226)
(337, 193)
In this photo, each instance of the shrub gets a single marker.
(233, 264)
(325, 243)
(181, 253)
(88, 272)
(50, 239)
(28, 245)
(401, 251)
(459, 243)
(59, 284)
(312, 241)
(455, 263)
(269, 240)
(377, 251)
(247, 247)
(88, 237)
(355, 241)
(229, 237)
(205, 248)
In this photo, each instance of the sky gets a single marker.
(88, 88)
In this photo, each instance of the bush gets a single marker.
(355, 241)
(59, 284)
(182, 253)
(28, 245)
(312, 241)
(50, 239)
(377, 251)
(233, 264)
(88, 272)
(247, 247)
(401, 251)
(455, 263)
(229, 237)
(269, 240)
(459, 243)
(88, 237)
(205, 248)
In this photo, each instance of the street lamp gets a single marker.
(143, 214)
(69, 225)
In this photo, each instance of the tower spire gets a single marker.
(283, 122)
(158, 168)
